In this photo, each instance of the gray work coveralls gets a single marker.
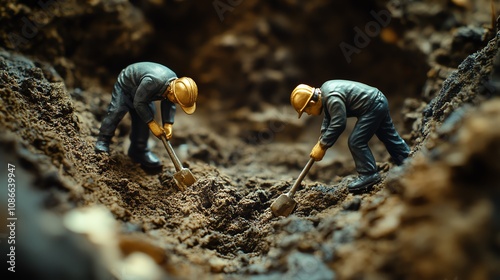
(342, 99)
(138, 85)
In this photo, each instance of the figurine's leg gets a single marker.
(358, 142)
(116, 111)
(363, 131)
(395, 145)
(139, 151)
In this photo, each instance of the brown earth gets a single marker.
(83, 215)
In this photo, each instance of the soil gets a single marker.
(82, 215)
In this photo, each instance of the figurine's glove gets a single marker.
(318, 152)
(156, 129)
(168, 130)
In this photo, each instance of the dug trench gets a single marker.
(221, 227)
(84, 215)
(224, 220)
(221, 224)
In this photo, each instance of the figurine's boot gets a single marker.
(102, 144)
(363, 183)
(144, 156)
(139, 151)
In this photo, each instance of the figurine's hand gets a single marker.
(168, 130)
(156, 129)
(318, 152)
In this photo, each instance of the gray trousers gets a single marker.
(120, 104)
(377, 121)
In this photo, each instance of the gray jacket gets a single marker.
(342, 99)
(145, 82)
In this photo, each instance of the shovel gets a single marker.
(183, 176)
(285, 204)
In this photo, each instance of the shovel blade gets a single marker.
(184, 178)
(283, 205)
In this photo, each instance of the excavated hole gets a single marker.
(234, 220)
(229, 220)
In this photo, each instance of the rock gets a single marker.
(131, 244)
(353, 204)
(217, 265)
(306, 266)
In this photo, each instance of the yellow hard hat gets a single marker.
(186, 93)
(300, 97)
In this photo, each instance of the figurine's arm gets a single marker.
(167, 111)
(144, 95)
(325, 124)
(337, 123)
(167, 115)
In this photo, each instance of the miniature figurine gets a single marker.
(137, 87)
(340, 99)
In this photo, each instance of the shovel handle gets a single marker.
(303, 174)
(171, 153)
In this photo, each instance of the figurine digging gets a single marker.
(138, 86)
(340, 99)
